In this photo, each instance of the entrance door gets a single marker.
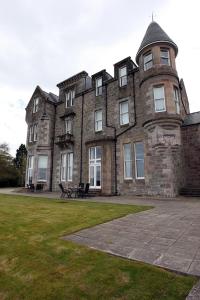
(95, 167)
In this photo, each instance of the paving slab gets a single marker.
(167, 235)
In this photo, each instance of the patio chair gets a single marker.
(84, 192)
(65, 192)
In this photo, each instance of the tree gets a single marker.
(20, 163)
(8, 172)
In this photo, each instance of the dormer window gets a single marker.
(70, 95)
(164, 57)
(68, 126)
(35, 105)
(123, 76)
(148, 60)
(98, 85)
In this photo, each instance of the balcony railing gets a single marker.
(65, 139)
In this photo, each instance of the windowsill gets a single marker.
(128, 179)
(40, 180)
(99, 131)
(123, 86)
(124, 125)
(160, 111)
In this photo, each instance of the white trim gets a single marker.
(95, 162)
(131, 160)
(156, 87)
(138, 159)
(122, 114)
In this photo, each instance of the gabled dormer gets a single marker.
(99, 79)
(73, 86)
(122, 69)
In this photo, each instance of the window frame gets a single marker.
(164, 57)
(30, 168)
(124, 76)
(39, 177)
(148, 53)
(121, 114)
(136, 159)
(35, 132)
(69, 98)
(30, 138)
(176, 100)
(63, 167)
(70, 166)
(99, 88)
(156, 99)
(35, 104)
(68, 126)
(96, 126)
(130, 161)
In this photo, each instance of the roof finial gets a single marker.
(152, 17)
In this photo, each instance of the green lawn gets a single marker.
(36, 264)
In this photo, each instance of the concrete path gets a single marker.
(166, 236)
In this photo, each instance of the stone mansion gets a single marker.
(128, 134)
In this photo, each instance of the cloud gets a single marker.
(44, 42)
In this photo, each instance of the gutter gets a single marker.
(52, 152)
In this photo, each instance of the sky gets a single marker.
(45, 42)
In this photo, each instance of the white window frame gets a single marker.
(69, 98)
(98, 121)
(137, 159)
(35, 104)
(122, 114)
(176, 100)
(159, 99)
(63, 167)
(128, 161)
(148, 58)
(30, 168)
(163, 57)
(68, 126)
(123, 79)
(30, 139)
(98, 86)
(70, 163)
(39, 178)
(95, 163)
(35, 132)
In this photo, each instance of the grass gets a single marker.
(35, 264)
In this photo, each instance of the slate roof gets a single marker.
(155, 34)
(192, 119)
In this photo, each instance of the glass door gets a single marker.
(95, 167)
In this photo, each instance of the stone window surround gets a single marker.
(149, 61)
(96, 122)
(65, 178)
(124, 77)
(130, 161)
(35, 104)
(166, 58)
(33, 133)
(38, 160)
(176, 99)
(69, 97)
(120, 114)
(98, 87)
(133, 155)
(159, 85)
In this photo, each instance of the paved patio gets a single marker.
(166, 236)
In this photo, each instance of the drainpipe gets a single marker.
(81, 154)
(52, 152)
(119, 134)
(115, 138)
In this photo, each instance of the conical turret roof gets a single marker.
(155, 34)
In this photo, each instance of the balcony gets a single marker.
(64, 140)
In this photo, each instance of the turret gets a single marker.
(160, 94)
